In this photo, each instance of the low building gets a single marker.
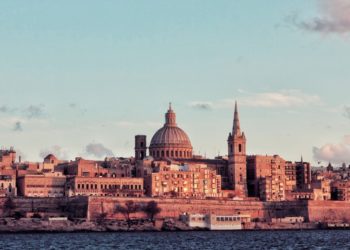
(340, 190)
(322, 190)
(104, 186)
(216, 222)
(42, 185)
(184, 181)
(82, 167)
(7, 157)
(8, 183)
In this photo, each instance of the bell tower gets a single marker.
(140, 147)
(237, 159)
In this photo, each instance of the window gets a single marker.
(240, 148)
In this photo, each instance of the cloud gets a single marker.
(78, 108)
(201, 105)
(30, 112)
(284, 98)
(334, 153)
(56, 150)
(347, 112)
(73, 105)
(18, 126)
(98, 150)
(6, 109)
(34, 111)
(276, 99)
(334, 18)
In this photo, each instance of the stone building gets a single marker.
(170, 140)
(8, 183)
(50, 162)
(340, 190)
(119, 167)
(297, 176)
(7, 157)
(237, 159)
(266, 177)
(82, 167)
(183, 181)
(321, 189)
(171, 143)
(104, 186)
(42, 185)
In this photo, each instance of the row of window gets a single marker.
(110, 186)
(228, 218)
(171, 153)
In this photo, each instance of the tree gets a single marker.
(101, 218)
(9, 205)
(151, 209)
(130, 208)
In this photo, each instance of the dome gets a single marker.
(170, 140)
(50, 159)
(171, 136)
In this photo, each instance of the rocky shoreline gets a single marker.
(10, 225)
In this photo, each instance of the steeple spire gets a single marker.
(170, 117)
(236, 130)
(170, 106)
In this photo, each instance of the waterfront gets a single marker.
(325, 239)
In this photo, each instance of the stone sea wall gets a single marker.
(90, 208)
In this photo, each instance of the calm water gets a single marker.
(181, 240)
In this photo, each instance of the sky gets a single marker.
(82, 78)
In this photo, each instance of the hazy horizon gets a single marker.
(83, 78)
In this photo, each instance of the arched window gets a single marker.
(240, 148)
(162, 153)
(167, 153)
(176, 153)
(180, 153)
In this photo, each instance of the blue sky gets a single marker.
(81, 78)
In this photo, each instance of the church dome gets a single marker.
(174, 136)
(170, 140)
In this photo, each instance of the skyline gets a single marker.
(83, 78)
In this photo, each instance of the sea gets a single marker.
(322, 239)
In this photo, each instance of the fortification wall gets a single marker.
(92, 207)
(75, 206)
(329, 211)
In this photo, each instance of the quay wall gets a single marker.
(92, 207)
